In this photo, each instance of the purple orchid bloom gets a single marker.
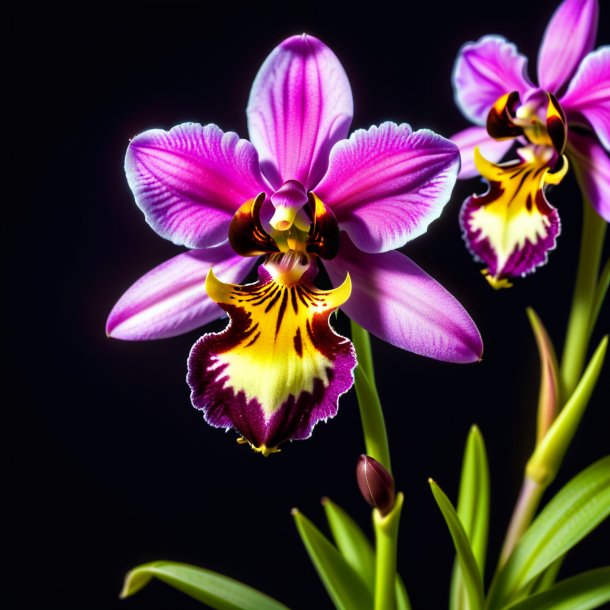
(512, 227)
(298, 195)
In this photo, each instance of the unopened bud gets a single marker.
(376, 484)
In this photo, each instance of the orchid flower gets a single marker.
(512, 227)
(297, 195)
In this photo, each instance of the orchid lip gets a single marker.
(512, 227)
(278, 368)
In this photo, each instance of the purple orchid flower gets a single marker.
(512, 227)
(298, 195)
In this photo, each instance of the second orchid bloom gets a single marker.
(512, 227)
(299, 195)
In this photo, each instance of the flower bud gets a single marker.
(376, 484)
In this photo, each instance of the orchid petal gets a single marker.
(512, 227)
(588, 95)
(484, 71)
(471, 138)
(278, 368)
(387, 184)
(592, 167)
(170, 299)
(569, 36)
(400, 303)
(189, 181)
(299, 107)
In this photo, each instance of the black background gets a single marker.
(110, 466)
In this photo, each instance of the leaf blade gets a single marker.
(583, 592)
(218, 591)
(468, 565)
(344, 586)
(473, 509)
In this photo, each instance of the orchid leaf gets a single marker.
(548, 455)
(343, 584)
(471, 575)
(572, 514)
(211, 588)
(351, 542)
(548, 577)
(473, 510)
(358, 551)
(583, 592)
(548, 397)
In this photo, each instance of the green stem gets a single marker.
(386, 537)
(371, 413)
(362, 342)
(525, 509)
(583, 302)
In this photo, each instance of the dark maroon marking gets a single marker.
(302, 297)
(298, 343)
(557, 127)
(280, 314)
(500, 125)
(246, 234)
(273, 301)
(254, 339)
(324, 235)
(293, 298)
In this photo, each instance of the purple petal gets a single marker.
(568, 37)
(300, 106)
(588, 95)
(189, 181)
(468, 140)
(387, 184)
(400, 303)
(592, 167)
(483, 72)
(171, 299)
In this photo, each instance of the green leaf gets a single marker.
(547, 578)
(211, 588)
(583, 592)
(473, 511)
(345, 587)
(357, 550)
(548, 455)
(572, 514)
(351, 542)
(473, 583)
(548, 397)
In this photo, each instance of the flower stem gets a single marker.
(583, 302)
(525, 509)
(371, 413)
(386, 537)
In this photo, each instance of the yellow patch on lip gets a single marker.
(278, 354)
